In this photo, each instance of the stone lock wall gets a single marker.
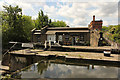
(94, 38)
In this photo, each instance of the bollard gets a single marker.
(107, 53)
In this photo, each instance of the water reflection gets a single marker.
(54, 70)
(57, 68)
(43, 66)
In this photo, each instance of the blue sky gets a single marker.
(76, 13)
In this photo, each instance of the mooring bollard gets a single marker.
(107, 53)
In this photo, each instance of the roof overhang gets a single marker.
(37, 33)
(66, 31)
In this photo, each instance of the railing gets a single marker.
(9, 49)
(114, 45)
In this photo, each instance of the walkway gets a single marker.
(82, 55)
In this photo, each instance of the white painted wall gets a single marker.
(51, 37)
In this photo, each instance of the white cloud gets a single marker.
(85, 0)
(108, 12)
(74, 13)
(34, 17)
(105, 9)
(23, 5)
(27, 7)
(77, 12)
(1, 6)
(50, 11)
(81, 13)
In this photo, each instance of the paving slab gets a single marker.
(83, 55)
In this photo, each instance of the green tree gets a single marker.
(28, 25)
(104, 28)
(113, 32)
(15, 23)
(15, 27)
(13, 14)
(42, 20)
(58, 24)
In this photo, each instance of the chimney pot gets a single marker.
(93, 17)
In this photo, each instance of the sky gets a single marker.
(76, 13)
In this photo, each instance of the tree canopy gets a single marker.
(44, 20)
(112, 32)
(15, 26)
(58, 24)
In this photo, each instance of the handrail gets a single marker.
(9, 50)
(113, 44)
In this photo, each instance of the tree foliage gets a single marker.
(104, 28)
(113, 32)
(15, 27)
(58, 24)
(42, 20)
(28, 26)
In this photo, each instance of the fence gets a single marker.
(114, 45)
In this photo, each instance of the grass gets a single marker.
(80, 56)
(66, 54)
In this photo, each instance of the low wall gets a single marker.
(60, 48)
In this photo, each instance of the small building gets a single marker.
(66, 35)
(63, 35)
(95, 24)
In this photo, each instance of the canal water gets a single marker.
(42, 67)
(56, 70)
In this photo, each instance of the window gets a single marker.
(38, 38)
(60, 38)
(67, 37)
(81, 38)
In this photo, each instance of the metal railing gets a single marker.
(114, 45)
(9, 49)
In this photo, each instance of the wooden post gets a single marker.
(45, 44)
(50, 43)
(58, 42)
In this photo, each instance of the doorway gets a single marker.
(73, 40)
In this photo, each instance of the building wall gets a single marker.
(40, 38)
(43, 38)
(74, 38)
(95, 25)
(51, 37)
(94, 38)
(70, 37)
(35, 38)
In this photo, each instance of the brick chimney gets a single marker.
(93, 17)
